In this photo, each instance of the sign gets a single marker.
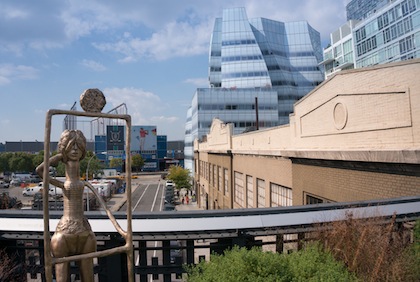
(143, 138)
(115, 138)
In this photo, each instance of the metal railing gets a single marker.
(164, 241)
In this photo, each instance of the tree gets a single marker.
(137, 162)
(180, 176)
(95, 165)
(21, 162)
(115, 162)
(38, 158)
(240, 264)
(4, 161)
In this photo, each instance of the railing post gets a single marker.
(113, 267)
(279, 243)
(143, 259)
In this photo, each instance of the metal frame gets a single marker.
(127, 235)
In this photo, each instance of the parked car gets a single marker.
(176, 252)
(4, 184)
(170, 183)
(15, 182)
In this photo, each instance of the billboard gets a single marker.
(143, 138)
(115, 138)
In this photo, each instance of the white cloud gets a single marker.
(9, 72)
(142, 105)
(93, 65)
(4, 80)
(146, 108)
(182, 28)
(12, 12)
(177, 39)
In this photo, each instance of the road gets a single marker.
(148, 194)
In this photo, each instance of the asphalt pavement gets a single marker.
(118, 200)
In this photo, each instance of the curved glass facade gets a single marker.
(274, 61)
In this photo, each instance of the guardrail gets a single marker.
(198, 233)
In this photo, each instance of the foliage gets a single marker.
(4, 161)
(240, 264)
(115, 163)
(180, 176)
(91, 160)
(10, 269)
(413, 255)
(38, 158)
(15, 162)
(372, 251)
(137, 162)
(21, 162)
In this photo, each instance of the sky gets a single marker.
(150, 55)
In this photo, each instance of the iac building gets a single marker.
(258, 68)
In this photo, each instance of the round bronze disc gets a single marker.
(92, 100)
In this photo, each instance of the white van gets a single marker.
(52, 190)
(55, 191)
(30, 191)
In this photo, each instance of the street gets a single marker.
(147, 193)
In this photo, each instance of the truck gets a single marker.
(103, 188)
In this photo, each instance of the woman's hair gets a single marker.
(68, 139)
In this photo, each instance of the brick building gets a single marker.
(355, 137)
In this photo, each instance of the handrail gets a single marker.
(201, 221)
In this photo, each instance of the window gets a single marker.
(314, 200)
(226, 177)
(219, 187)
(406, 44)
(311, 200)
(260, 193)
(281, 196)
(250, 191)
(215, 176)
(239, 189)
(361, 34)
(347, 46)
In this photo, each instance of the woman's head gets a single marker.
(68, 139)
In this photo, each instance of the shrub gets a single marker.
(10, 270)
(240, 264)
(374, 252)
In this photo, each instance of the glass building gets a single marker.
(275, 62)
(360, 9)
(389, 34)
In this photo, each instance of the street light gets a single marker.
(87, 178)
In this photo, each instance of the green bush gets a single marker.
(240, 264)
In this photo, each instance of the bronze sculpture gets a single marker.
(73, 235)
(73, 239)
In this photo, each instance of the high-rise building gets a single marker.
(388, 34)
(254, 61)
(360, 9)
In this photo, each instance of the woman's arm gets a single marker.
(54, 160)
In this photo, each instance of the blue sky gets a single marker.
(149, 54)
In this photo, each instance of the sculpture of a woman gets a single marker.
(73, 235)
